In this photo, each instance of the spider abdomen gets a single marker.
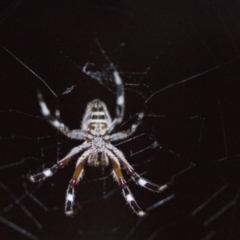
(96, 117)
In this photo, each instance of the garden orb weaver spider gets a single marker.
(96, 132)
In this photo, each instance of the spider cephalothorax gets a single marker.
(97, 149)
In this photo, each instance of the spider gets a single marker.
(97, 149)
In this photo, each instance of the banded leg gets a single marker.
(125, 134)
(144, 182)
(48, 172)
(137, 178)
(125, 190)
(56, 121)
(78, 173)
(120, 101)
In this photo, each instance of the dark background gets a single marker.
(186, 53)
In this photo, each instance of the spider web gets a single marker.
(180, 64)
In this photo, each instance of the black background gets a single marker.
(190, 50)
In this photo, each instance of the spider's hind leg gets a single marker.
(55, 121)
(120, 100)
(125, 134)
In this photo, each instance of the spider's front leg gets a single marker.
(123, 184)
(78, 173)
(48, 172)
(145, 182)
(136, 177)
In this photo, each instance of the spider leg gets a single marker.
(56, 121)
(119, 92)
(143, 182)
(127, 133)
(136, 177)
(120, 101)
(123, 184)
(48, 172)
(78, 173)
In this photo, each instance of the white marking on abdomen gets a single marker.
(98, 121)
(98, 113)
